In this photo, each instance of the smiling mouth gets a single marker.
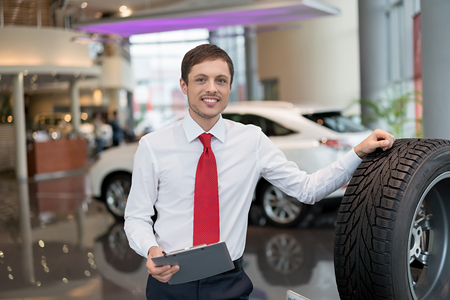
(208, 100)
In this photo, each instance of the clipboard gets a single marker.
(291, 295)
(197, 262)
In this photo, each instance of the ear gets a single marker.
(183, 86)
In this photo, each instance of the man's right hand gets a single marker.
(163, 273)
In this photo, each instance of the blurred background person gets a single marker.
(118, 133)
(98, 123)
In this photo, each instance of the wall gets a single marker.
(317, 63)
(44, 46)
(41, 103)
(7, 148)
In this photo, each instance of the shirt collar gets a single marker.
(193, 130)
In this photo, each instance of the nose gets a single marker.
(211, 87)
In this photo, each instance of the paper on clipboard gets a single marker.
(291, 295)
(197, 262)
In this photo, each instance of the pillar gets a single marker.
(75, 106)
(373, 54)
(435, 26)
(251, 66)
(22, 177)
(19, 126)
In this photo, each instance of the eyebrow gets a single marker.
(204, 75)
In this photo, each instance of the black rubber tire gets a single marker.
(117, 252)
(280, 209)
(392, 230)
(285, 260)
(115, 193)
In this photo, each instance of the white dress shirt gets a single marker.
(164, 170)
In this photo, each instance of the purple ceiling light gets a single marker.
(257, 13)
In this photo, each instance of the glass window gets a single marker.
(271, 90)
(156, 63)
(399, 14)
(269, 127)
(335, 121)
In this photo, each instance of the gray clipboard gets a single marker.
(197, 262)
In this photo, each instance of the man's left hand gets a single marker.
(377, 139)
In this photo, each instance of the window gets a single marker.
(269, 127)
(270, 87)
(335, 121)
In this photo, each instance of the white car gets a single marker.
(311, 137)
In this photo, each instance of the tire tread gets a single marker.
(364, 226)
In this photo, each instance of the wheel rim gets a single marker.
(284, 254)
(117, 241)
(428, 242)
(280, 207)
(117, 195)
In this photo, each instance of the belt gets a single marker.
(238, 263)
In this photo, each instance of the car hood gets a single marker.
(120, 152)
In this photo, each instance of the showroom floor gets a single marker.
(71, 248)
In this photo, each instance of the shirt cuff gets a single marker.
(147, 245)
(351, 161)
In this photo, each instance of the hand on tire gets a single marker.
(377, 139)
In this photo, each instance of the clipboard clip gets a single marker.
(187, 248)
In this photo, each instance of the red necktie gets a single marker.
(206, 196)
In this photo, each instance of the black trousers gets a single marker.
(225, 286)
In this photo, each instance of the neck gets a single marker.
(204, 123)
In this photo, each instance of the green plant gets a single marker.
(393, 111)
(5, 108)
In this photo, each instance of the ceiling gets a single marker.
(149, 16)
(166, 15)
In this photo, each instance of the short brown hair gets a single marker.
(201, 53)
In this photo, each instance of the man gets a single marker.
(165, 174)
(118, 133)
(98, 124)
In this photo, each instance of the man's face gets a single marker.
(208, 90)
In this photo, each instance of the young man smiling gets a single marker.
(210, 83)
(164, 177)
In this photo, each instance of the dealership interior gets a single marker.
(377, 63)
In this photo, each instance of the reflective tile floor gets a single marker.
(67, 246)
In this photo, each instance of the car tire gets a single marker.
(392, 230)
(280, 209)
(115, 193)
(117, 252)
(284, 259)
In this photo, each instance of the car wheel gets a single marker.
(116, 250)
(393, 227)
(280, 209)
(116, 190)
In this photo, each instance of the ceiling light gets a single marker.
(97, 97)
(84, 5)
(125, 11)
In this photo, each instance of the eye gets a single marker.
(222, 80)
(200, 79)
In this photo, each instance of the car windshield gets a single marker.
(335, 121)
(269, 127)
